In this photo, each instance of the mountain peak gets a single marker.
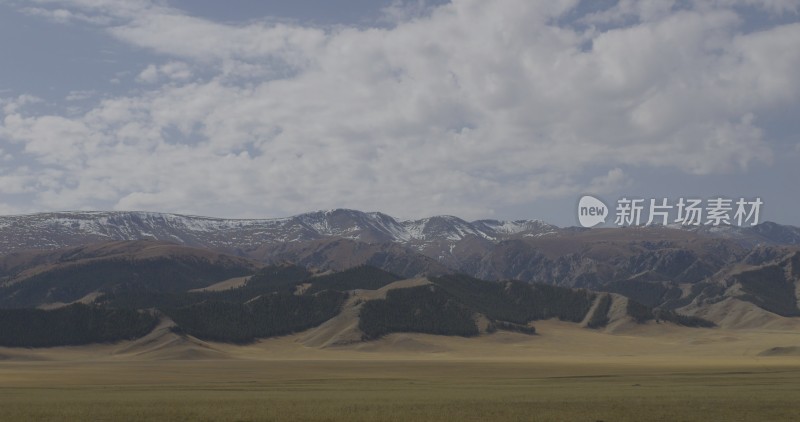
(70, 228)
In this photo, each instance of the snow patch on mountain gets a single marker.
(48, 230)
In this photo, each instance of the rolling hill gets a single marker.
(122, 290)
(220, 280)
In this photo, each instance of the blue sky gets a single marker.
(508, 109)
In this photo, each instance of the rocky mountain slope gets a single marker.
(54, 230)
(81, 274)
(436, 237)
(76, 299)
(485, 248)
(723, 273)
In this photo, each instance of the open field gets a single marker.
(566, 373)
(396, 391)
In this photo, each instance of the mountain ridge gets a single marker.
(192, 230)
(672, 268)
(69, 228)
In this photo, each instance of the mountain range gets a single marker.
(123, 290)
(434, 236)
(48, 230)
(341, 238)
(730, 276)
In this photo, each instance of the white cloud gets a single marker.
(399, 11)
(149, 74)
(65, 16)
(14, 184)
(11, 105)
(171, 71)
(8, 209)
(462, 109)
(649, 11)
(614, 180)
(80, 95)
(775, 7)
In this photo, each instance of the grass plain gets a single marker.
(565, 373)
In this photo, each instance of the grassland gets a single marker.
(563, 374)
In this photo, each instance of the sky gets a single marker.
(506, 109)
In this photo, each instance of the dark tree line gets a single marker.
(600, 316)
(685, 320)
(647, 293)
(276, 278)
(270, 304)
(510, 326)
(361, 277)
(640, 313)
(265, 306)
(72, 325)
(423, 309)
(517, 302)
(769, 288)
(71, 283)
(269, 315)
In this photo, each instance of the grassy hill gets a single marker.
(100, 294)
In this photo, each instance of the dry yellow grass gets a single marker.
(395, 390)
(558, 340)
(653, 372)
(231, 283)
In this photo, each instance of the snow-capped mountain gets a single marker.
(767, 233)
(55, 230)
(672, 267)
(338, 239)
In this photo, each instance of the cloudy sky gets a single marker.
(504, 109)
